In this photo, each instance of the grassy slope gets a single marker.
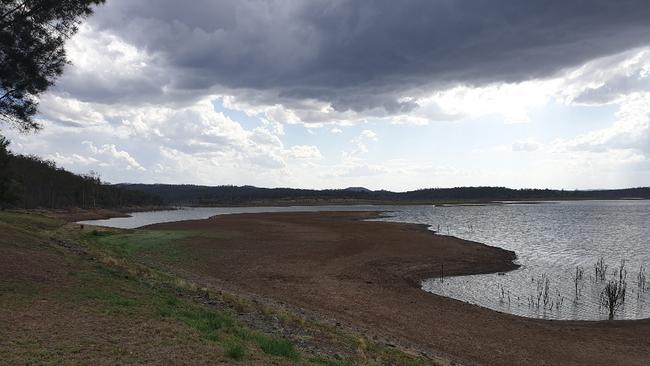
(105, 302)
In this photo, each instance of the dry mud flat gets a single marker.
(365, 274)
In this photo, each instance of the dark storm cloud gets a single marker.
(365, 54)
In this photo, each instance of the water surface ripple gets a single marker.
(551, 240)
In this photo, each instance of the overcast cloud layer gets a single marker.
(211, 92)
(361, 55)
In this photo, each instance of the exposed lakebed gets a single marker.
(551, 240)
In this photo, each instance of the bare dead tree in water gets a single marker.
(577, 280)
(542, 293)
(600, 270)
(613, 295)
(641, 281)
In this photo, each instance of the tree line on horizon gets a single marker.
(232, 195)
(31, 182)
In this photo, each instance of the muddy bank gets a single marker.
(365, 274)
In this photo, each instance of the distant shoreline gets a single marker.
(249, 195)
(285, 203)
(75, 214)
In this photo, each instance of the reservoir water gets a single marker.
(552, 240)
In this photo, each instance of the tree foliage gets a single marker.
(32, 53)
(35, 183)
(5, 173)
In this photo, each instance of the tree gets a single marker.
(5, 173)
(32, 53)
(613, 295)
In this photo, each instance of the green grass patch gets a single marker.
(327, 362)
(110, 287)
(275, 346)
(162, 244)
(222, 328)
(166, 306)
(112, 298)
(30, 221)
(211, 325)
(278, 347)
(233, 349)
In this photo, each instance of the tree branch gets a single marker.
(12, 10)
(7, 94)
(24, 16)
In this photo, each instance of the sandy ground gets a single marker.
(365, 274)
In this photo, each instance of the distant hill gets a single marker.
(207, 195)
(357, 189)
(233, 195)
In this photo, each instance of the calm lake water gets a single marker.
(551, 240)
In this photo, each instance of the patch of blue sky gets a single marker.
(248, 122)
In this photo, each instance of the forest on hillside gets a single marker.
(31, 182)
(233, 195)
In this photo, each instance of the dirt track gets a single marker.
(365, 274)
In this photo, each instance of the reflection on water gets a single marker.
(551, 240)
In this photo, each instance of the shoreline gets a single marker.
(442, 203)
(366, 274)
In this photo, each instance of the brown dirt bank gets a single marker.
(362, 273)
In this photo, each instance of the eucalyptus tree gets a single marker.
(32, 53)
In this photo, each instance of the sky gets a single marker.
(338, 93)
